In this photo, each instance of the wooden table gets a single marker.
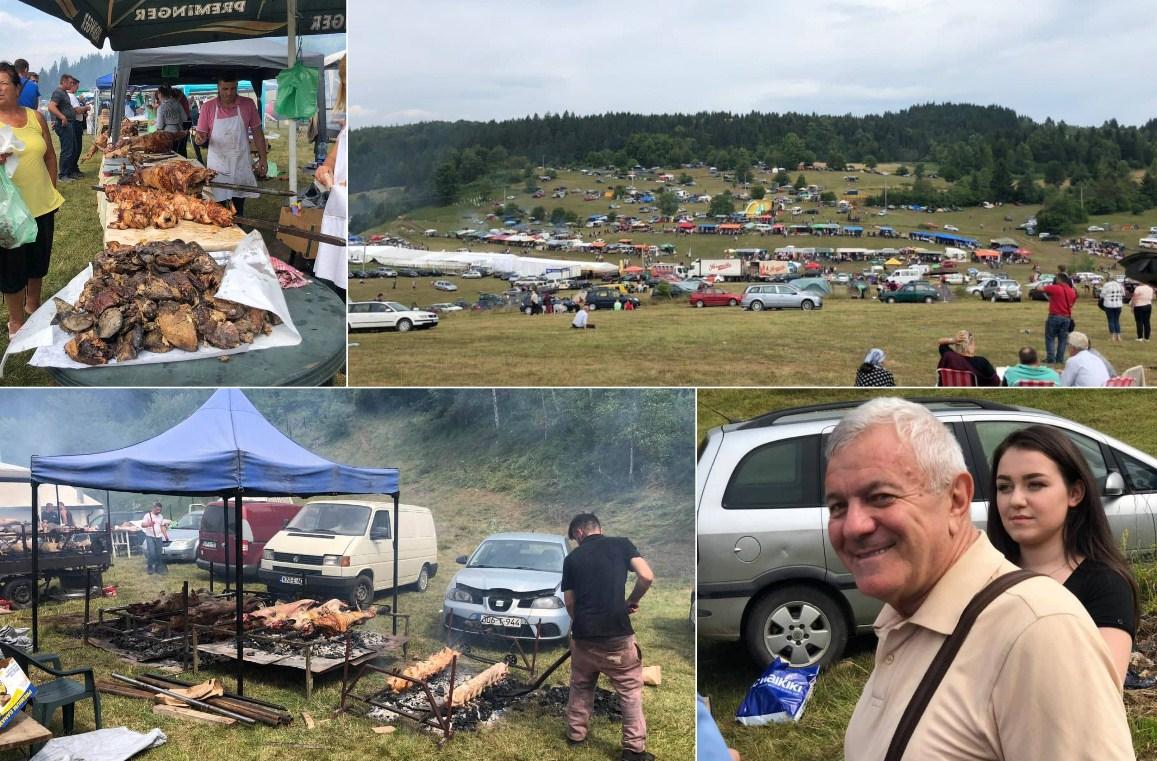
(23, 730)
(319, 316)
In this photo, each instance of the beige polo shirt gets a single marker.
(1032, 681)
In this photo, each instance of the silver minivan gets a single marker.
(767, 573)
(779, 296)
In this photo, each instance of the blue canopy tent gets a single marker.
(226, 447)
(104, 83)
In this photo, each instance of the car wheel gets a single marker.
(890, 300)
(757, 306)
(363, 592)
(732, 303)
(405, 326)
(980, 295)
(928, 299)
(699, 304)
(423, 582)
(801, 624)
(19, 592)
(594, 307)
(806, 305)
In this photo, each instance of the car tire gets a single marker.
(363, 592)
(594, 307)
(699, 305)
(807, 305)
(19, 593)
(732, 303)
(928, 299)
(801, 624)
(423, 582)
(890, 300)
(405, 326)
(980, 295)
(757, 306)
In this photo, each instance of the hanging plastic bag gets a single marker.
(297, 92)
(17, 225)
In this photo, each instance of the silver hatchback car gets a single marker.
(779, 296)
(767, 571)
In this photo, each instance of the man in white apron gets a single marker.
(224, 125)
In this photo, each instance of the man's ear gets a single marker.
(960, 497)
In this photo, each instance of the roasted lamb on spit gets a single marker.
(174, 177)
(139, 208)
(307, 617)
(157, 297)
(128, 129)
(151, 142)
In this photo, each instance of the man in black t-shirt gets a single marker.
(594, 578)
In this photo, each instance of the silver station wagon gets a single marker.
(779, 296)
(767, 572)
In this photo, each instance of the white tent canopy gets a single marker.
(395, 256)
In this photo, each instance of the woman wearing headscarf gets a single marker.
(872, 372)
(22, 269)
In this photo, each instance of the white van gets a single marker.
(344, 548)
(1149, 243)
(906, 275)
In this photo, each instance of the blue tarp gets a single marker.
(104, 83)
(224, 446)
(853, 229)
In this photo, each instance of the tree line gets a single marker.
(985, 152)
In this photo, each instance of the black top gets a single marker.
(1107, 596)
(874, 375)
(597, 574)
(986, 374)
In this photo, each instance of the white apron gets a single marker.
(331, 263)
(229, 156)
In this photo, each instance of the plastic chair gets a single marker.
(1137, 373)
(1119, 381)
(949, 377)
(1034, 384)
(60, 692)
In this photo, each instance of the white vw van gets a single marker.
(344, 548)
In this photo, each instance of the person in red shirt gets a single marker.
(1059, 323)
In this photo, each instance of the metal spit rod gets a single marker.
(191, 701)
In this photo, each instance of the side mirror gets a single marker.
(460, 560)
(285, 523)
(1114, 485)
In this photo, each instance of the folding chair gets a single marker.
(1034, 383)
(1119, 381)
(948, 377)
(1137, 373)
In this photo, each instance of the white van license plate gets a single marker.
(298, 580)
(502, 621)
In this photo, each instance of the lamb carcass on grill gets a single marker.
(174, 176)
(155, 296)
(151, 142)
(138, 208)
(128, 129)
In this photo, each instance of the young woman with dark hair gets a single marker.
(1046, 515)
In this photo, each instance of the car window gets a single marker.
(359, 308)
(382, 523)
(781, 474)
(994, 432)
(519, 554)
(1141, 477)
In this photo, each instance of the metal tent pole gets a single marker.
(291, 32)
(396, 523)
(35, 565)
(238, 589)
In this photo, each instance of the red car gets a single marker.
(714, 297)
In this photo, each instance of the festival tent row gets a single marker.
(395, 256)
(226, 448)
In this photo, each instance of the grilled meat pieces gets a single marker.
(152, 142)
(174, 176)
(138, 208)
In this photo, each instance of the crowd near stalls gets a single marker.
(177, 226)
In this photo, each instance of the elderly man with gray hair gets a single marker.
(1030, 677)
(1085, 368)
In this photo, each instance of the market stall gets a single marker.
(225, 447)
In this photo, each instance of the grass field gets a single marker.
(79, 238)
(663, 629)
(668, 343)
(726, 672)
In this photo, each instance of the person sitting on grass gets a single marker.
(1030, 369)
(872, 371)
(581, 319)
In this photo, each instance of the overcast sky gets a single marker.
(416, 60)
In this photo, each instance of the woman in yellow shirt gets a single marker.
(22, 270)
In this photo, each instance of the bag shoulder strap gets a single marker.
(944, 657)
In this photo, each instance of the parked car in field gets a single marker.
(184, 537)
(1096, 229)
(379, 315)
(604, 297)
(1035, 293)
(951, 228)
(472, 275)
(443, 308)
(779, 296)
(511, 585)
(260, 520)
(444, 285)
(1000, 289)
(918, 291)
(713, 297)
(767, 573)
